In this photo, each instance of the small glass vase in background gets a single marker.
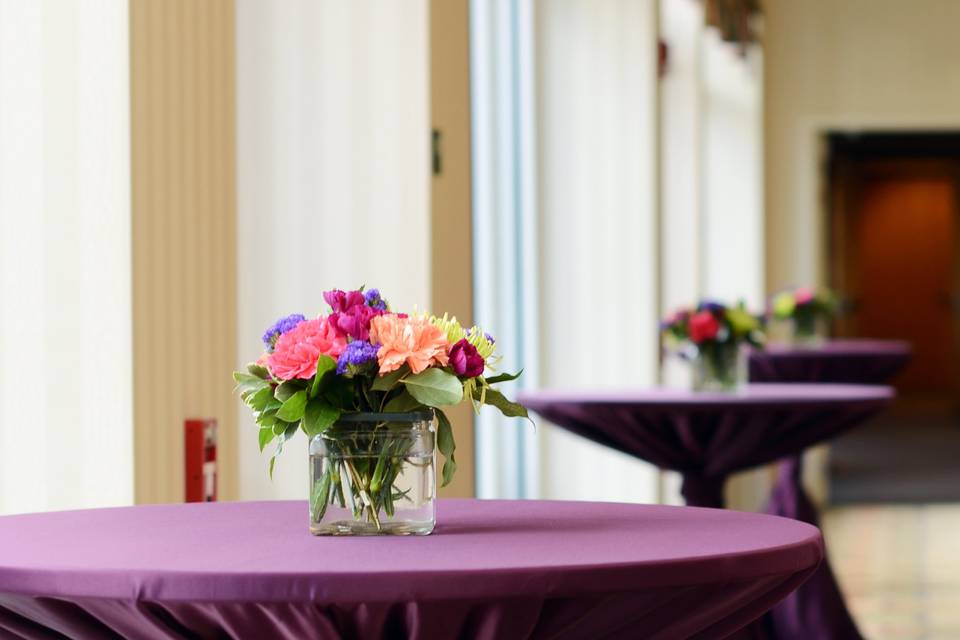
(809, 330)
(374, 474)
(718, 367)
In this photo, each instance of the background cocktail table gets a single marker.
(708, 436)
(850, 361)
(492, 569)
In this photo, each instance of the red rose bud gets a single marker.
(465, 360)
(703, 326)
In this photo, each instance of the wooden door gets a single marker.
(901, 237)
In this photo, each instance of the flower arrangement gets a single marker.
(363, 358)
(806, 308)
(710, 335)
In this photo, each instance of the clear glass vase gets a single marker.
(718, 367)
(809, 330)
(374, 474)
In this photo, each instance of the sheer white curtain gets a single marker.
(65, 322)
(596, 74)
(565, 253)
(333, 173)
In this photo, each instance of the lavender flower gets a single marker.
(360, 356)
(279, 328)
(373, 300)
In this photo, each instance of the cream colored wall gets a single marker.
(850, 64)
(183, 236)
(333, 175)
(843, 65)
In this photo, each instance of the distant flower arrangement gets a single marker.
(711, 324)
(361, 357)
(710, 336)
(803, 302)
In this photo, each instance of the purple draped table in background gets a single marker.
(708, 436)
(838, 361)
(492, 569)
(849, 361)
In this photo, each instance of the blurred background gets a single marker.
(176, 174)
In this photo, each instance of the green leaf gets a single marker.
(286, 390)
(247, 384)
(325, 364)
(510, 409)
(273, 460)
(435, 387)
(259, 400)
(318, 416)
(388, 381)
(258, 370)
(321, 496)
(290, 431)
(447, 446)
(504, 377)
(293, 408)
(266, 435)
(339, 392)
(402, 403)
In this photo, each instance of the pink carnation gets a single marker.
(297, 351)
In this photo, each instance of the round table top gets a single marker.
(262, 551)
(759, 396)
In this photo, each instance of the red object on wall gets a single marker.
(200, 452)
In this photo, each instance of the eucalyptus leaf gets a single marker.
(266, 435)
(318, 416)
(504, 377)
(293, 408)
(435, 387)
(325, 364)
(388, 381)
(447, 446)
(508, 408)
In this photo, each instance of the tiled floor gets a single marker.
(899, 567)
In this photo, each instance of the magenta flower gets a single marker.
(465, 360)
(341, 301)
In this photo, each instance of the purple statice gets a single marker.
(279, 328)
(486, 335)
(359, 357)
(374, 301)
(711, 305)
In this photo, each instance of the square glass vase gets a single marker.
(374, 474)
(719, 367)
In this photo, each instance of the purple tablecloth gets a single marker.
(492, 569)
(707, 436)
(837, 361)
(858, 361)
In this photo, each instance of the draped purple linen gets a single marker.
(707, 436)
(836, 361)
(492, 569)
(818, 609)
